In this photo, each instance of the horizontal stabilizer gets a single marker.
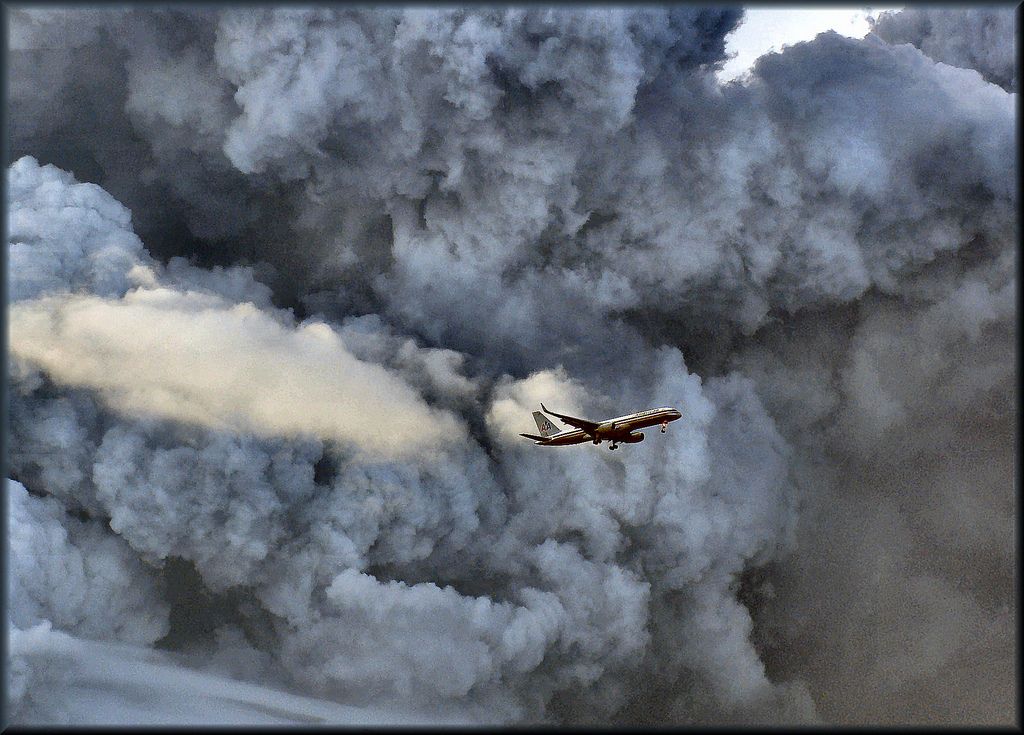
(535, 438)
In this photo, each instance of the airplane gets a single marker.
(618, 429)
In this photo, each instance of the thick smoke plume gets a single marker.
(983, 39)
(285, 285)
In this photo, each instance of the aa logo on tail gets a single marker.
(545, 427)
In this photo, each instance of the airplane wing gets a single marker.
(588, 426)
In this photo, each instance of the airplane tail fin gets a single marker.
(545, 427)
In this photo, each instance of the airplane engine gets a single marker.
(632, 439)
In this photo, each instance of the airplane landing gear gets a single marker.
(664, 426)
(613, 446)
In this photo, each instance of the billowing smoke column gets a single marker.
(982, 39)
(269, 365)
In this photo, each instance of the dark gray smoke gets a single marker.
(285, 285)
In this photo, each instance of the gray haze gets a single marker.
(285, 285)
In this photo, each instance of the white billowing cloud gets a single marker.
(981, 38)
(218, 500)
(76, 576)
(390, 639)
(63, 234)
(425, 626)
(344, 67)
(200, 359)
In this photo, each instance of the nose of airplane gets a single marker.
(675, 414)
